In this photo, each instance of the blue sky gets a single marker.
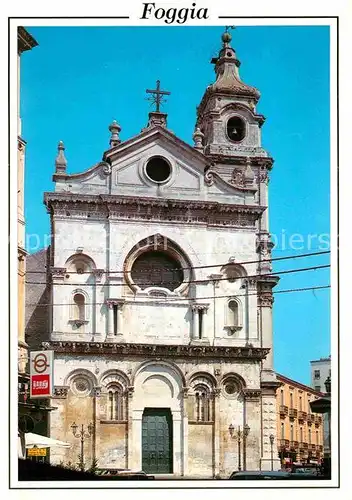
(79, 79)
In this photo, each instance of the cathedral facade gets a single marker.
(162, 290)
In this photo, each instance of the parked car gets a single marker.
(263, 475)
(124, 473)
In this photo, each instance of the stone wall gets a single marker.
(38, 298)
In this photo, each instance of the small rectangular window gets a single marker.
(317, 388)
(282, 397)
(316, 374)
(282, 430)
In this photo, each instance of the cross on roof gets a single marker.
(227, 28)
(157, 98)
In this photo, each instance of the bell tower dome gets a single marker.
(227, 113)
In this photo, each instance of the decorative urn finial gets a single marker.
(198, 139)
(60, 162)
(115, 129)
(248, 173)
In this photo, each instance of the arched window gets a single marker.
(233, 315)
(79, 309)
(202, 405)
(202, 397)
(116, 407)
(157, 269)
(236, 129)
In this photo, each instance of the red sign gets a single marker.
(40, 385)
(41, 374)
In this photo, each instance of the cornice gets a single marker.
(157, 350)
(65, 205)
(25, 41)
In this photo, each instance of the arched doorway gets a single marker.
(157, 438)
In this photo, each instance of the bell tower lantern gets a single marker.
(227, 113)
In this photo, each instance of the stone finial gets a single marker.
(248, 173)
(198, 139)
(60, 162)
(115, 129)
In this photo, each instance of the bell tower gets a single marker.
(229, 129)
(227, 113)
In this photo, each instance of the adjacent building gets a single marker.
(320, 370)
(300, 436)
(162, 332)
(25, 42)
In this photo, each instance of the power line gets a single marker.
(190, 299)
(258, 261)
(265, 275)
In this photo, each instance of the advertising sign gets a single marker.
(36, 452)
(41, 374)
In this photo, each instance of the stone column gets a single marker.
(265, 304)
(251, 417)
(96, 423)
(269, 427)
(110, 306)
(130, 457)
(184, 447)
(196, 308)
(111, 303)
(217, 393)
(195, 327)
(177, 442)
(119, 327)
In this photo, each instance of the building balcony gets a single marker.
(317, 419)
(319, 447)
(311, 447)
(283, 410)
(302, 416)
(310, 418)
(284, 444)
(293, 445)
(292, 412)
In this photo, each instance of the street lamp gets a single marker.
(82, 434)
(271, 437)
(238, 436)
(246, 430)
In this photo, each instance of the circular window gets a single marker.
(159, 269)
(158, 169)
(236, 129)
(230, 388)
(81, 386)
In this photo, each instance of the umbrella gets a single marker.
(35, 440)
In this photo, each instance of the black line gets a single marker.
(183, 487)
(9, 244)
(278, 17)
(72, 17)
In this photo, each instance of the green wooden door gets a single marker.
(157, 441)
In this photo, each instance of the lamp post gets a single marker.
(246, 430)
(82, 434)
(272, 437)
(238, 436)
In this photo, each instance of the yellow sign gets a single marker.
(36, 452)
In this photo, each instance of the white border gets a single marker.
(260, 8)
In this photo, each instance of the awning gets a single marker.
(43, 441)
